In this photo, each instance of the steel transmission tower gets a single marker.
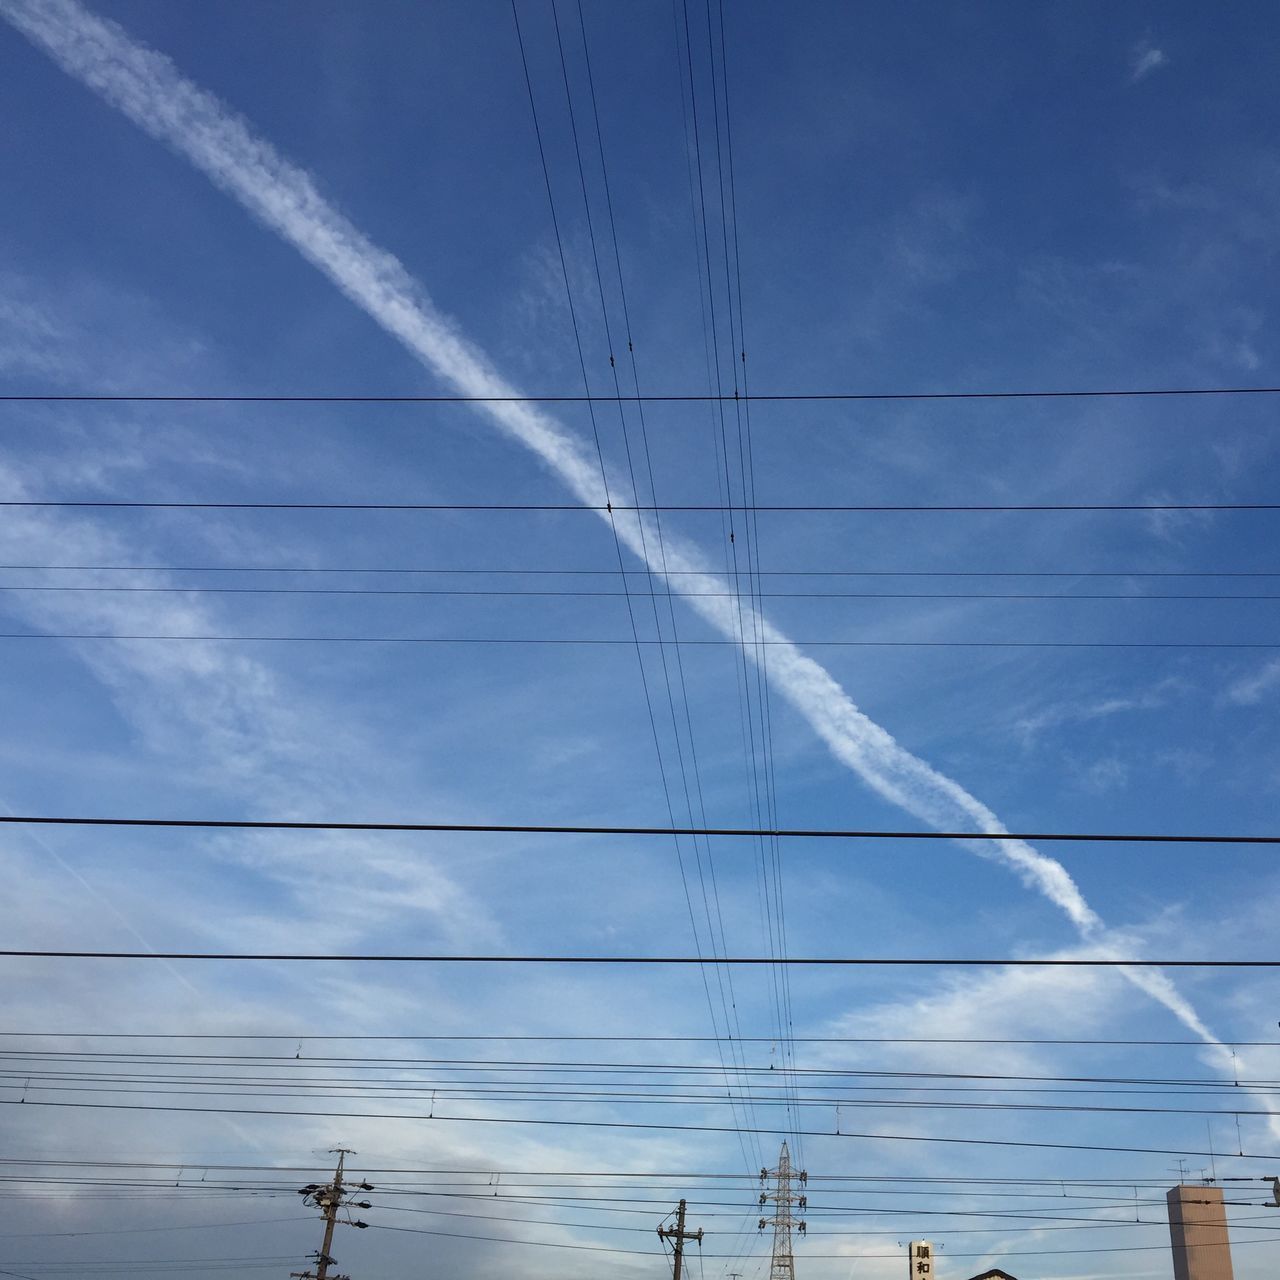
(786, 1199)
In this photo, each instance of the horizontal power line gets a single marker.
(542, 1072)
(707, 1208)
(809, 507)
(592, 1175)
(20, 1062)
(515, 571)
(644, 1082)
(588, 593)
(1082, 393)
(535, 1071)
(647, 1039)
(803, 961)
(110, 1266)
(457, 1083)
(632, 642)
(646, 1126)
(492, 828)
(581, 1098)
(1084, 1224)
(492, 1193)
(842, 1257)
(187, 1226)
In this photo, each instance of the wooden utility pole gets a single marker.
(679, 1235)
(329, 1198)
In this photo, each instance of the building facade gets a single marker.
(1198, 1234)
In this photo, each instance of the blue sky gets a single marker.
(1017, 198)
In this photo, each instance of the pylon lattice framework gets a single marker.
(786, 1198)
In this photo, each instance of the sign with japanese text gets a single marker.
(920, 1258)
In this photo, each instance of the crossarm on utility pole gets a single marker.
(679, 1235)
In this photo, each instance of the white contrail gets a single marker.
(148, 88)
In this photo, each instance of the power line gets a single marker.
(587, 593)
(553, 1088)
(720, 444)
(594, 1175)
(611, 507)
(790, 1099)
(632, 1205)
(609, 641)
(1114, 393)
(666, 573)
(117, 1263)
(651, 1126)
(1086, 1224)
(836, 1256)
(936, 1186)
(727, 1003)
(1048, 1213)
(635, 633)
(491, 828)
(818, 961)
(645, 1039)
(24, 1057)
(121, 1231)
(1056, 1207)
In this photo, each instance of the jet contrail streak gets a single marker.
(149, 89)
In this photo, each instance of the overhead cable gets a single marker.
(610, 507)
(492, 828)
(1084, 393)
(611, 641)
(632, 1125)
(819, 961)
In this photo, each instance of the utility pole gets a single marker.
(783, 1221)
(679, 1235)
(329, 1197)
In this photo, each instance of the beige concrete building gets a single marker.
(1198, 1234)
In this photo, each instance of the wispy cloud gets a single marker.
(1110, 773)
(1249, 690)
(1084, 711)
(29, 340)
(1171, 525)
(1144, 59)
(147, 88)
(239, 727)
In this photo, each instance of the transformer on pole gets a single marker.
(786, 1199)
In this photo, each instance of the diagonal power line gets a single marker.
(810, 833)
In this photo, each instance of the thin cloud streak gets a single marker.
(1145, 59)
(1250, 690)
(238, 725)
(149, 90)
(99, 897)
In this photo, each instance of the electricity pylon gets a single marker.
(329, 1197)
(783, 1220)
